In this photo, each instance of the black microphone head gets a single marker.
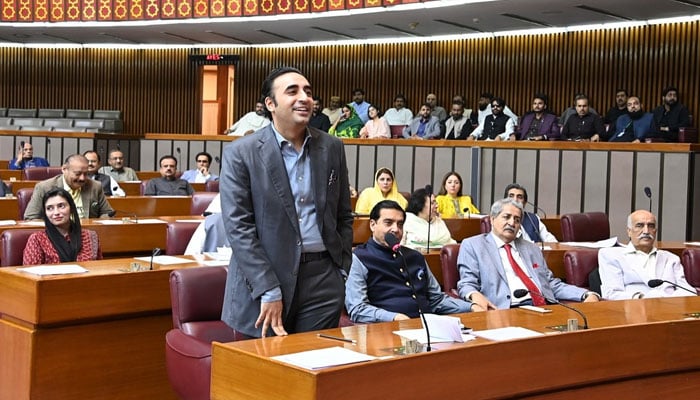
(647, 191)
(429, 189)
(112, 213)
(156, 252)
(177, 149)
(655, 282)
(391, 239)
(21, 144)
(217, 159)
(518, 293)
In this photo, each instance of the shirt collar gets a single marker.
(281, 140)
(629, 249)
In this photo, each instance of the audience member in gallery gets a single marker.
(450, 200)
(376, 127)
(385, 188)
(348, 125)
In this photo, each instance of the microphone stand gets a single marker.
(658, 282)
(396, 247)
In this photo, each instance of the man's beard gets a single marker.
(457, 117)
(482, 107)
(636, 114)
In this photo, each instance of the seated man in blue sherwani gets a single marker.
(383, 278)
(493, 266)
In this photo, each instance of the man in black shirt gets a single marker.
(670, 116)
(619, 109)
(584, 126)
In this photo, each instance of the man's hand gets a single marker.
(19, 157)
(595, 138)
(204, 171)
(271, 316)
(400, 317)
(592, 298)
(481, 303)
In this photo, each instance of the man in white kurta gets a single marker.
(626, 271)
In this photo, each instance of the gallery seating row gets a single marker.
(61, 120)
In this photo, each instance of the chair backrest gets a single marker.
(23, 197)
(200, 202)
(89, 123)
(41, 173)
(690, 258)
(12, 244)
(396, 131)
(73, 113)
(51, 113)
(107, 114)
(58, 122)
(178, 237)
(360, 231)
(585, 227)
(142, 187)
(212, 186)
(21, 112)
(27, 122)
(485, 224)
(196, 297)
(578, 265)
(450, 273)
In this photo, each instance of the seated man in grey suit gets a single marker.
(378, 289)
(492, 266)
(424, 125)
(87, 193)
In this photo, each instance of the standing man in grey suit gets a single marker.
(286, 208)
(492, 266)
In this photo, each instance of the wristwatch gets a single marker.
(587, 294)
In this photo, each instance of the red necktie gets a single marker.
(537, 298)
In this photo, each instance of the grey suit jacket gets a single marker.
(481, 269)
(92, 195)
(262, 224)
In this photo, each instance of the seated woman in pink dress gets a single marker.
(63, 240)
(376, 127)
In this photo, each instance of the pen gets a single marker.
(342, 339)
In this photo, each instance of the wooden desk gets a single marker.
(17, 185)
(9, 208)
(124, 238)
(148, 206)
(630, 343)
(8, 174)
(133, 188)
(97, 335)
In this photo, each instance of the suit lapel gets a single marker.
(319, 163)
(271, 156)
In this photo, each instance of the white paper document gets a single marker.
(8, 222)
(214, 263)
(58, 269)
(192, 221)
(32, 223)
(323, 358)
(692, 243)
(443, 328)
(594, 245)
(507, 333)
(165, 260)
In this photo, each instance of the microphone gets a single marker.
(155, 252)
(518, 293)
(218, 160)
(179, 155)
(658, 282)
(48, 144)
(544, 214)
(647, 192)
(429, 189)
(466, 210)
(395, 246)
(129, 214)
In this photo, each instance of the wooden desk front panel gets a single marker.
(147, 206)
(7, 174)
(133, 188)
(9, 208)
(624, 344)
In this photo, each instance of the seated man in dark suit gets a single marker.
(382, 284)
(493, 266)
(538, 124)
(168, 184)
(670, 116)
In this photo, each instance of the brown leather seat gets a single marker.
(690, 258)
(196, 296)
(12, 244)
(23, 197)
(585, 227)
(578, 266)
(485, 224)
(450, 273)
(200, 202)
(212, 186)
(41, 173)
(178, 237)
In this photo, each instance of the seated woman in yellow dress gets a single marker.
(384, 189)
(451, 202)
(421, 213)
(63, 239)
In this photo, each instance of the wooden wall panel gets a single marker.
(158, 89)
